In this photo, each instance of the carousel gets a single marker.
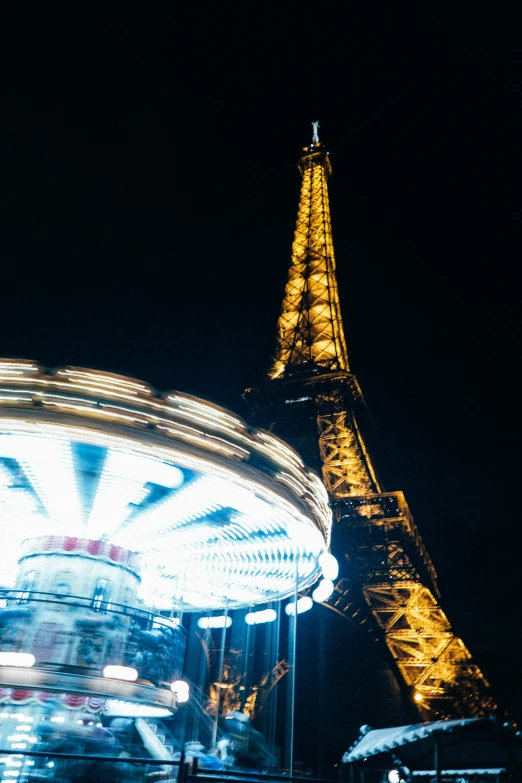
(127, 520)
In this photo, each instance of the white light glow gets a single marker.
(220, 621)
(124, 476)
(115, 707)
(182, 690)
(16, 659)
(262, 616)
(323, 591)
(56, 488)
(329, 566)
(172, 622)
(164, 477)
(126, 673)
(303, 605)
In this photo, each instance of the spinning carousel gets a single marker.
(121, 513)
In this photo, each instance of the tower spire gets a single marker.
(310, 336)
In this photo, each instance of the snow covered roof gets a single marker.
(471, 743)
(373, 741)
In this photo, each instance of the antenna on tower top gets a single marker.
(315, 137)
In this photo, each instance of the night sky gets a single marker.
(149, 187)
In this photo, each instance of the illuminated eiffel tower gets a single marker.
(313, 401)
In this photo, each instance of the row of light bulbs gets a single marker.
(111, 672)
(330, 570)
(325, 588)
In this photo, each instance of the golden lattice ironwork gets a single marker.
(310, 331)
(389, 564)
(431, 658)
(346, 466)
(390, 585)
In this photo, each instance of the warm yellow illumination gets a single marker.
(392, 581)
(310, 334)
(430, 657)
(347, 468)
(310, 330)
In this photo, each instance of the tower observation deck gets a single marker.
(312, 400)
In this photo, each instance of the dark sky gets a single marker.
(149, 188)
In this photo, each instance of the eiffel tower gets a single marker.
(312, 400)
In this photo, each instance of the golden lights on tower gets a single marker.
(310, 330)
(392, 583)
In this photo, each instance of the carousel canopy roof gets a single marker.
(219, 514)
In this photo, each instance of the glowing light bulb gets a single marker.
(303, 605)
(323, 591)
(126, 673)
(263, 616)
(181, 689)
(329, 566)
(220, 621)
(16, 659)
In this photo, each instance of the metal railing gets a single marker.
(48, 767)
(81, 635)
